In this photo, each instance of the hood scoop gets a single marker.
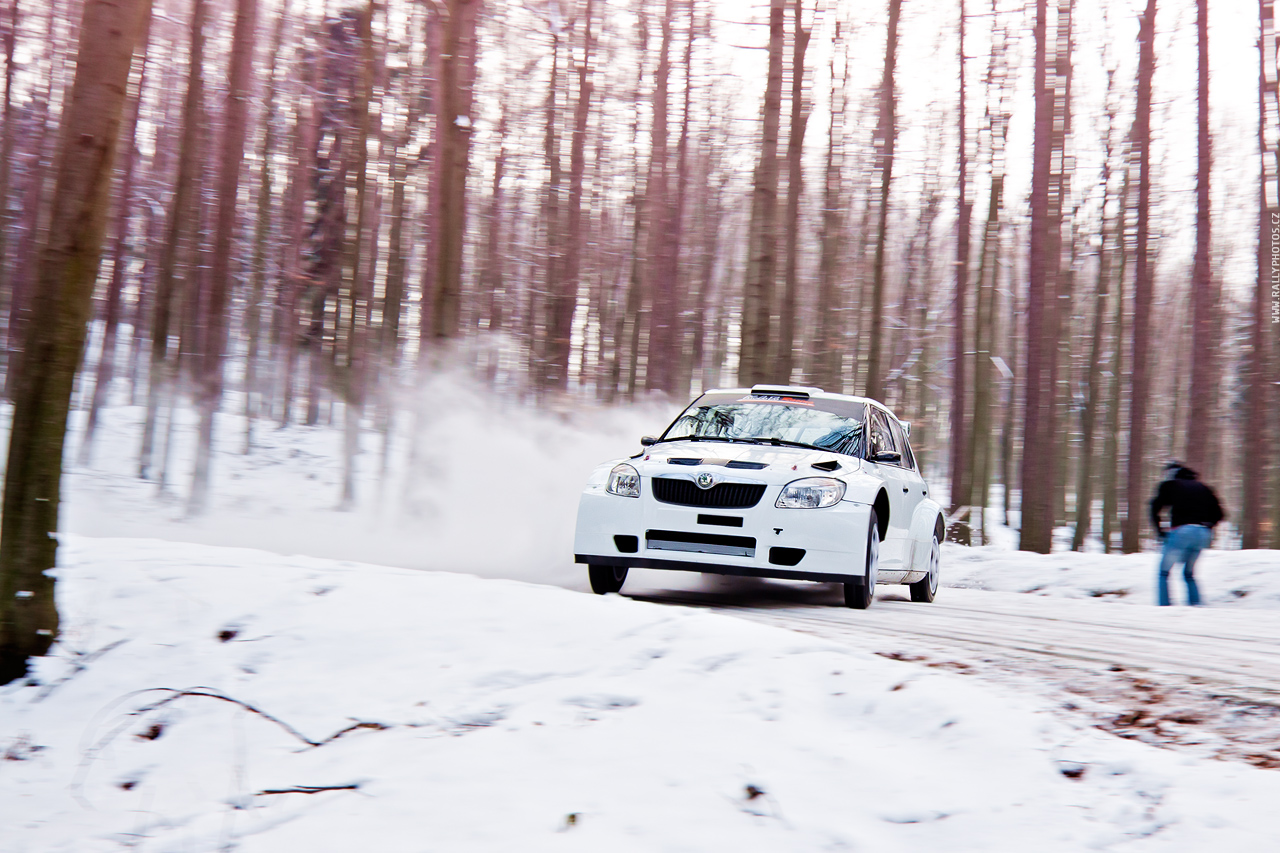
(828, 466)
(750, 466)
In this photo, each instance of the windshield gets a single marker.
(833, 425)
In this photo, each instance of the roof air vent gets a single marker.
(795, 393)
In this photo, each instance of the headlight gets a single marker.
(624, 481)
(810, 493)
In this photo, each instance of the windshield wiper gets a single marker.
(728, 438)
(782, 442)
(757, 440)
(767, 441)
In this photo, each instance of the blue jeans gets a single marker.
(1183, 545)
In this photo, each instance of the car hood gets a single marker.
(748, 463)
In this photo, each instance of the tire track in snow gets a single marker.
(1205, 680)
(1236, 651)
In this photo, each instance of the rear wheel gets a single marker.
(858, 596)
(606, 579)
(927, 587)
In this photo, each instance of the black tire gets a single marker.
(859, 595)
(605, 579)
(926, 588)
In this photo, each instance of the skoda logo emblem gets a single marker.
(706, 480)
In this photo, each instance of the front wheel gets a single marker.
(927, 587)
(605, 579)
(858, 596)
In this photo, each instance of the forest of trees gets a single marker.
(304, 208)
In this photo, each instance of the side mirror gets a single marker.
(906, 428)
(648, 440)
(890, 456)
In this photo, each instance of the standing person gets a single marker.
(1193, 512)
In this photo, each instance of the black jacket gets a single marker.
(1189, 501)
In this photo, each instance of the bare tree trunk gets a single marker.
(627, 327)
(457, 86)
(689, 284)
(663, 242)
(1204, 345)
(886, 136)
(961, 461)
(1036, 527)
(1015, 322)
(987, 310)
(492, 275)
(34, 206)
(979, 448)
(795, 179)
(551, 302)
(430, 158)
(1140, 383)
(762, 241)
(158, 175)
(1093, 380)
(193, 313)
(1111, 447)
(914, 270)
(105, 373)
(828, 347)
(293, 283)
(1062, 260)
(393, 302)
(6, 152)
(177, 232)
(262, 227)
(565, 300)
(55, 338)
(354, 368)
(335, 90)
(705, 318)
(1009, 428)
(627, 324)
(230, 157)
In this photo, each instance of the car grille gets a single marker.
(720, 496)
(700, 543)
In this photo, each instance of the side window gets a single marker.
(882, 438)
(911, 457)
(900, 440)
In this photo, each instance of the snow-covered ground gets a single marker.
(299, 697)
(1247, 579)
(201, 696)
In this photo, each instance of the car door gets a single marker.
(913, 486)
(893, 551)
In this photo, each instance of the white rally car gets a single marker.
(771, 482)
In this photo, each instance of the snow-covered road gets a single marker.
(1232, 651)
(1178, 677)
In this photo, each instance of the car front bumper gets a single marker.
(826, 544)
